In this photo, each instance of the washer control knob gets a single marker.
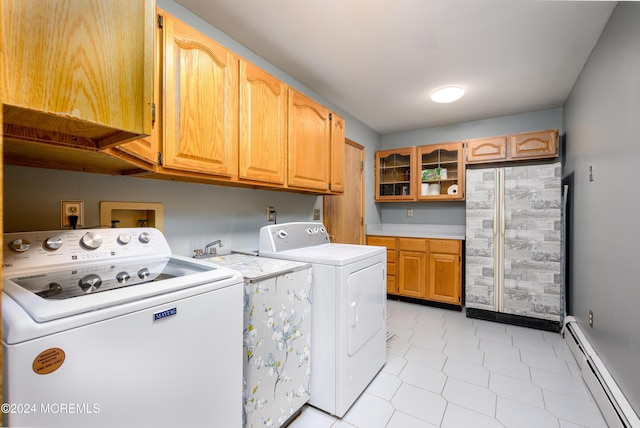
(309, 231)
(53, 243)
(124, 238)
(323, 231)
(144, 237)
(144, 273)
(54, 289)
(123, 277)
(91, 240)
(90, 282)
(20, 245)
(282, 234)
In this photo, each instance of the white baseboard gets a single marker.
(612, 403)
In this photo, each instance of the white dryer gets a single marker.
(348, 309)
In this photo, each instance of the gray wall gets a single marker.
(454, 212)
(602, 123)
(194, 213)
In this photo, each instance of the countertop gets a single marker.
(255, 268)
(433, 231)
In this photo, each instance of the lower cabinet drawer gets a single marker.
(444, 246)
(412, 244)
(391, 269)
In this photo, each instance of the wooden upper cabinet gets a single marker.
(77, 72)
(525, 146)
(309, 143)
(395, 176)
(337, 153)
(200, 102)
(440, 172)
(534, 145)
(492, 149)
(263, 126)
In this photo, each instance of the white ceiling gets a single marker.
(379, 60)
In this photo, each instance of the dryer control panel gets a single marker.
(275, 238)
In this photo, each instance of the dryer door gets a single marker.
(366, 293)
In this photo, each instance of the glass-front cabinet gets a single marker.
(395, 176)
(440, 171)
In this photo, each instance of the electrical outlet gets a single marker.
(72, 214)
(591, 318)
(316, 213)
(590, 172)
(271, 214)
(409, 213)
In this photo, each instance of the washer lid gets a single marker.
(328, 254)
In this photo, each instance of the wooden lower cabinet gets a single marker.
(390, 243)
(424, 269)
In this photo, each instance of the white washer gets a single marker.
(348, 310)
(106, 328)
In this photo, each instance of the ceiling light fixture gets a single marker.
(447, 94)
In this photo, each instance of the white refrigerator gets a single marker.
(514, 245)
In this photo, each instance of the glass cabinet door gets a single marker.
(440, 172)
(395, 176)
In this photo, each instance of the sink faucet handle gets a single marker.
(197, 253)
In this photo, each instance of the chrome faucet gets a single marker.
(209, 250)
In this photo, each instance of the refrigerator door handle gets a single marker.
(496, 239)
(502, 216)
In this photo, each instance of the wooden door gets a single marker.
(344, 214)
(201, 102)
(309, 141)
(263, 126)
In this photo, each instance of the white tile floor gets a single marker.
(446, 370)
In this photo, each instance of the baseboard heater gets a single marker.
(612, 403)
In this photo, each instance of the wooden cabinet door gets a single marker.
(147, 149)
(448, 160)
(77, 72)
(444, 278)
(412, 267)
(263, 126)
(534, 145)
(411, 274)
(487, 150)
(201, 102)
(395, 179)
(309, 143)
(336, 184)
